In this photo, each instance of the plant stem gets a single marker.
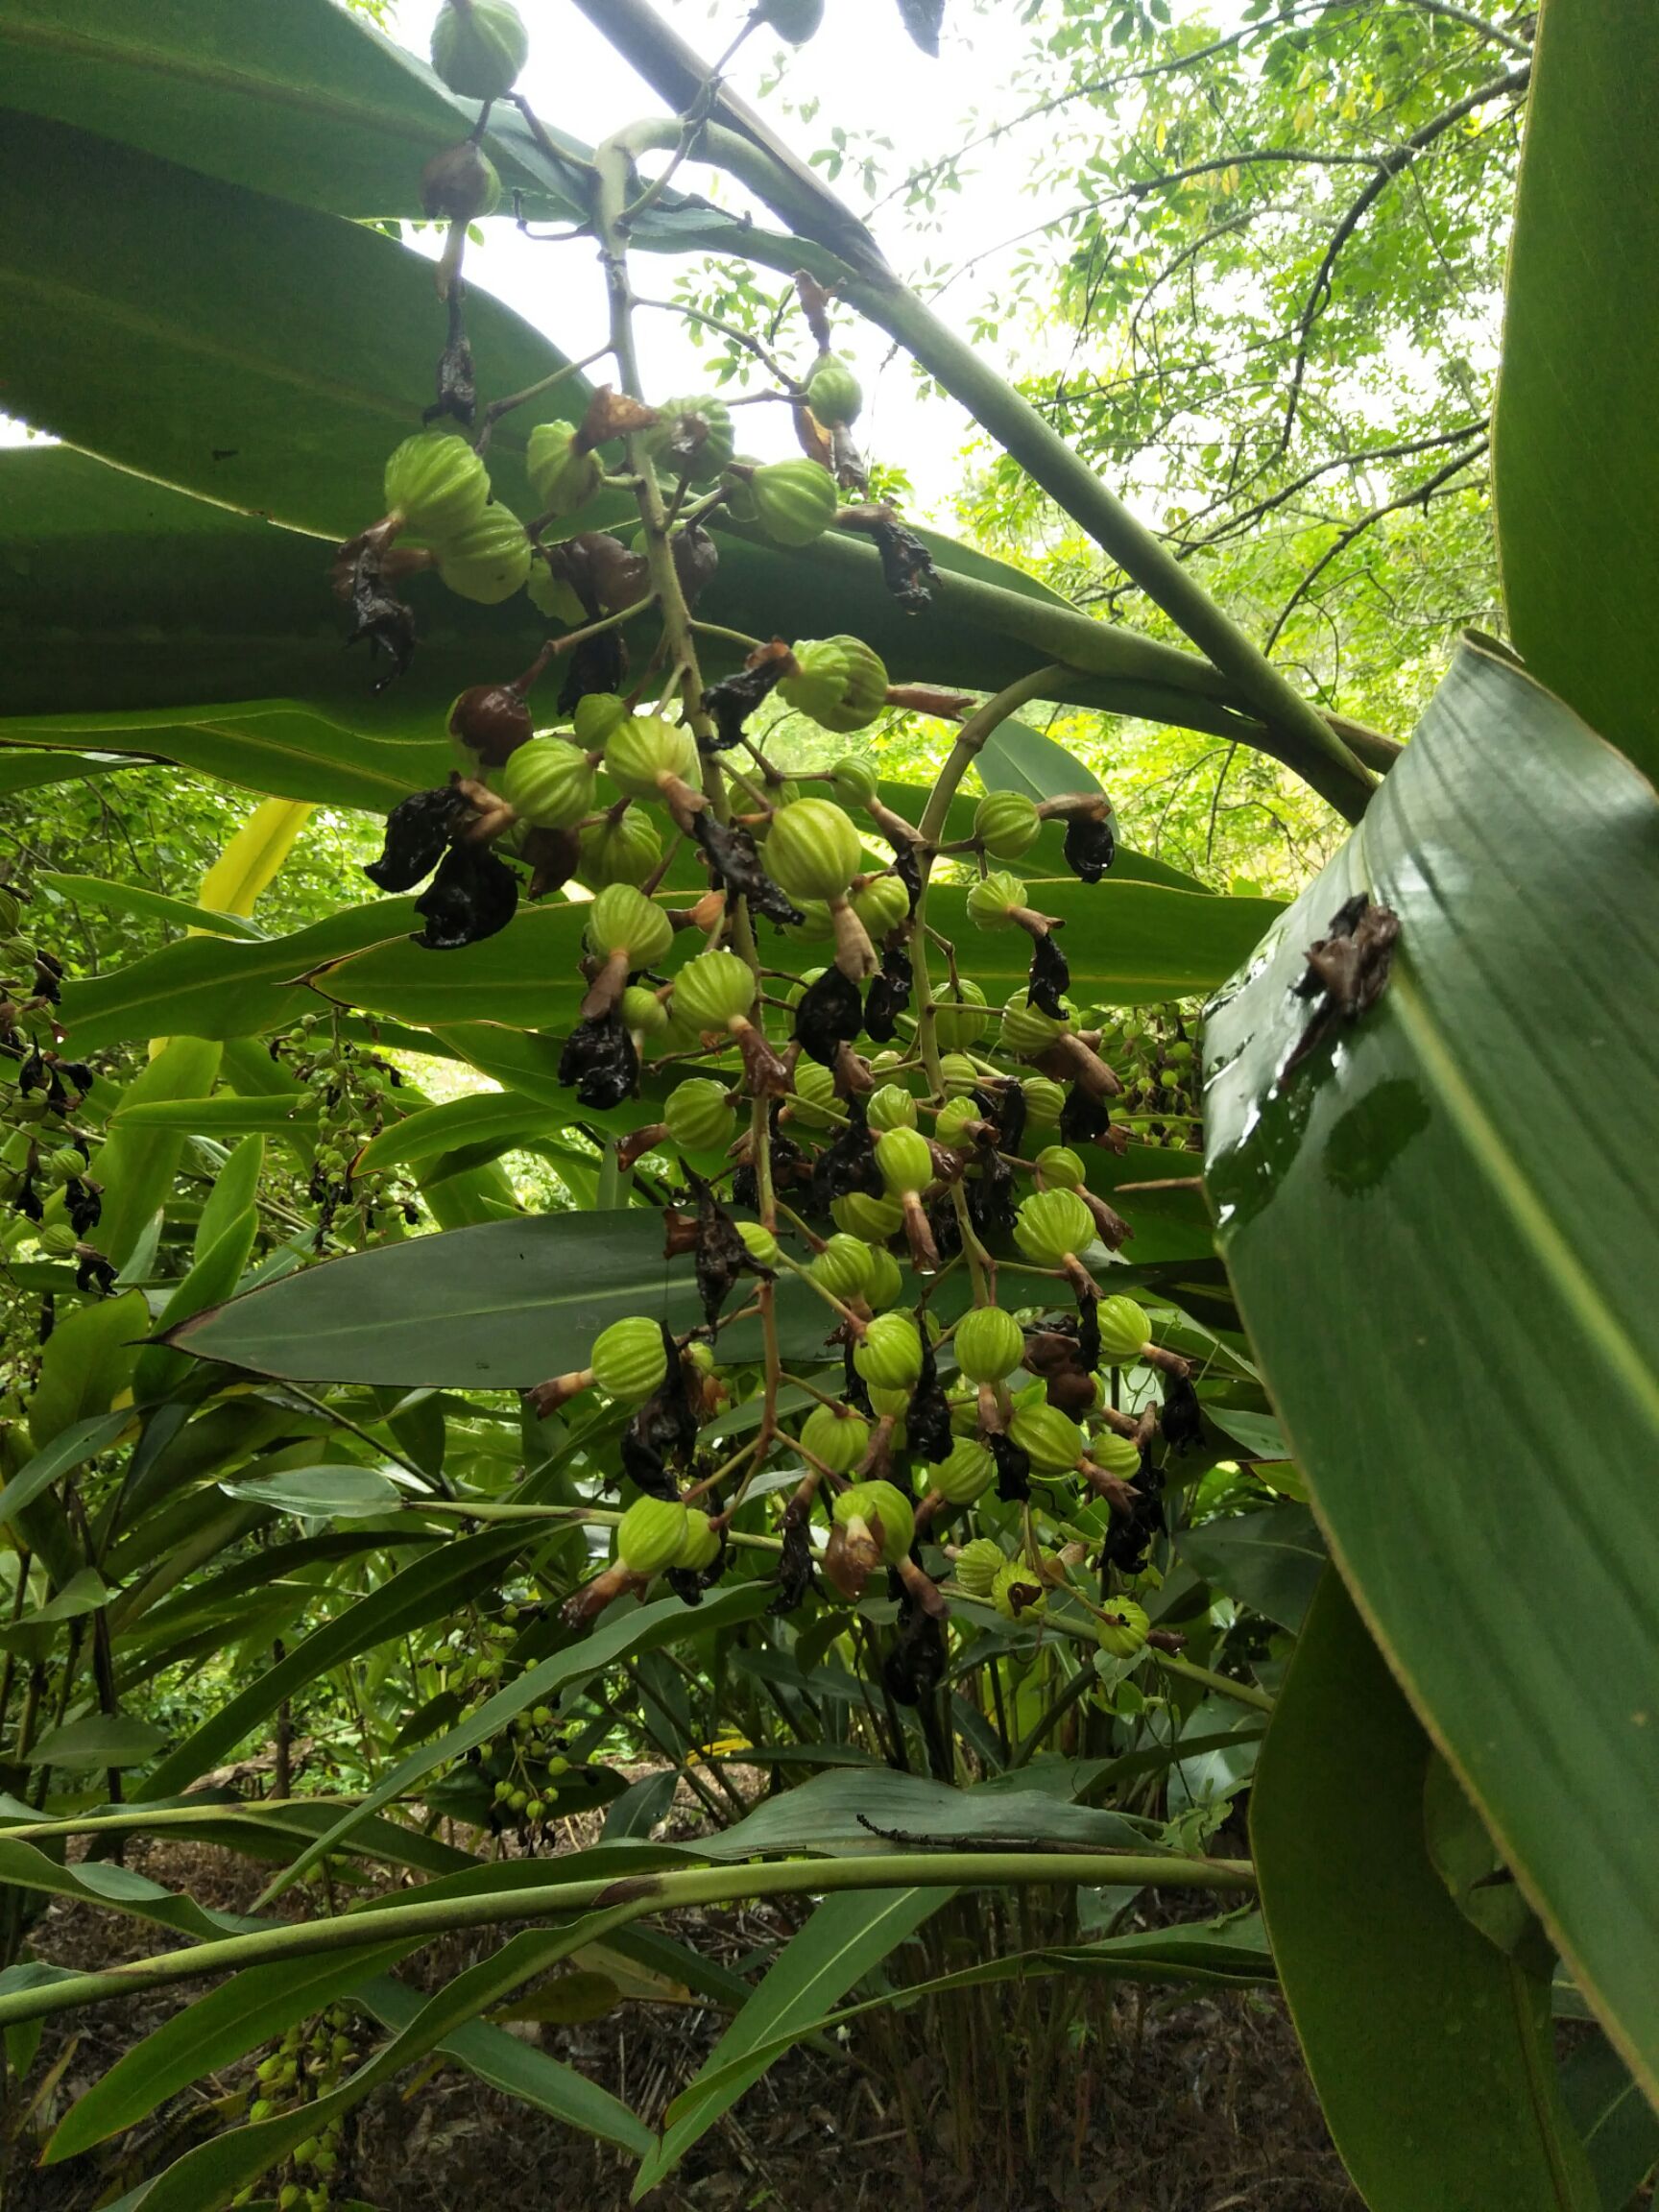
(1244, 1692)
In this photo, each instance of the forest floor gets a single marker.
(1180, 2104)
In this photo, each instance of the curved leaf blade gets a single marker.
(1444, 1249)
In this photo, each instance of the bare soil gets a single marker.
(1183, 2105)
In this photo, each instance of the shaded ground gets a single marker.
(1189, 2106)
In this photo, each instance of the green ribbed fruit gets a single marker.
(891, 1107)
(624, 850)
(816, 924)
(640, 1009)
(793, 501)
(905, 1163)
(1116, 1455)
(875, 1220)
(989, 1344)
(967, 1474)
(853, 780)
(992, 901)
(597, 718)
(460, 185)
(643, 748)
(552, 596)
(623, 919)
(814, 1089)
(1017, 1576)
(651, 1534)
(1006, 823)
(1122, 1629)
(714, 990)
(759, 1244)
(67, 1163)
(833, 393)
(629, 1360)
(960, 1019)
(889, 1354)
(57, 1239)
(813, 849)
(954, 1119)
(1053, 1438)
(563, 479)
(978, 1564)
(700, 1546)
(842, 683)
(895, 1405)
(699, 1115)
(435, 484)
(839, 1439)
(882, 905)
(1027, 1030)
(865, 1503)
(960, 1075)
(844, 1266)
(487, 561)
(693, 436)
(1045, 1101)
(886, 1283)
(547, 784)
(1124, 1329)
(1052, 1224)
(478, 51)
(1061, 1168)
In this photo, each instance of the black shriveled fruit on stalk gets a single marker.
(1050, 977)
(734, 865)
(927, 1418)
(493, 720)
(829, 1016)
(418, 830)
(794, 1568)
(848, 1165)
(1090, 848)
(1182, 1419)
(888, 995)
(1012, 1469)
(906, 565)
(473, 895)
(378, 615)
(599, 1058)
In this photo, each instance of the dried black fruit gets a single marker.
(927, 1418)
(457, 384)
(597, 664)
(734, 863)
(915, 1667)
(82, 1205)
(1083, 1119)
(599, 1058)
(990, 1193)
(734, 698)
(945, 1227)
(643, 1461)
(906, 565)
(1347, 970)
(854, 1390)
(1090, 847)
(378, 615)
(473, 895)
(848, 1165)
(493, 720)
(829, 1016)
(93, 1272)
(721, 1254)
(1182, 1416)
(1012, 1469)
(696, 561)
(889, 995)
(923, 18)
(690, 1583)
(1050, 978)
(908, 867)
(418, 830)
(1008, 1112)
(795, 1580)
(1129, 1535)
(1087, 1330)
(664, 1430)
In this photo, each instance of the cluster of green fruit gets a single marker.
(308, 2064)
(351, 1088)
(1156, 1052)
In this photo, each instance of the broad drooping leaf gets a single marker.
(1441, 1224)
(1575, 463)
(1428, 2046)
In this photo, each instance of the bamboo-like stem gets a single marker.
(631, 1897)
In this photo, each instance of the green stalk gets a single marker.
(630, 1898)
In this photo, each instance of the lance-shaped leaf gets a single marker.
(1441, 1224)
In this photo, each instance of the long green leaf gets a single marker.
(136, 1166)
(1272, 1559)
(1619, 2126)
(255, 354)
(70, 1448)
(864, 1809)
(1445, 1248)
(1576, 466)
(500, 1306)
(1428, 2045)
(149, 905)
(846, 1937)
